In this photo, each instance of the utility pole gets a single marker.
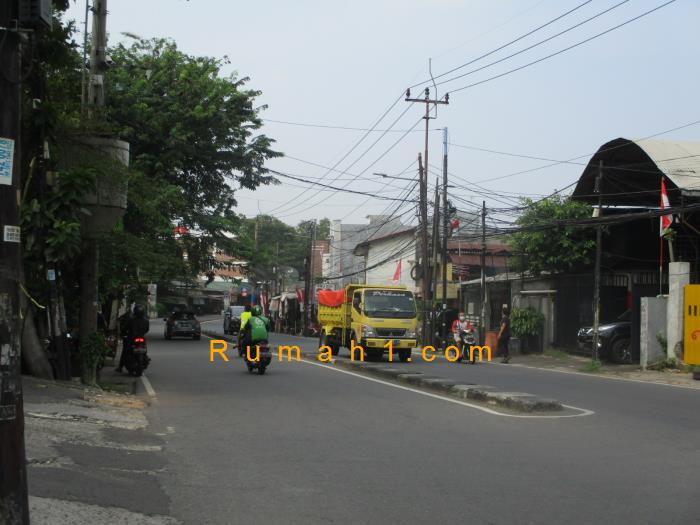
(482, 316)
(434, 274)
(307, 280)
(14, 505)
(596, 276)
(98, 55)
(445, 229)
(425, 271)
(277, 267)
(423, 171)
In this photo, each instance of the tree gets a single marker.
(555, 250)
(193, 144)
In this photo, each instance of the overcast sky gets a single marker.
(333, 63)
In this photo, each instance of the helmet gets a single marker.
(139, 311)
(256, 311)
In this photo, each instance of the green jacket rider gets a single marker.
(256, 329)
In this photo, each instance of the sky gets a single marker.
(329, 64)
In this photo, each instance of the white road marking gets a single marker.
(147, 385)
(212, 321)
(583, 411)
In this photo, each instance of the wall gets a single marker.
(394, 248)
(652, 322)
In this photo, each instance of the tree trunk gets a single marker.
(33, 352)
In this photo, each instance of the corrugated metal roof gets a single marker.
(678, 160)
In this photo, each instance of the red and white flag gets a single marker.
(397, 273)
(665, 220)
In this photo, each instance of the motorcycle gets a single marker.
(138, 359)
(467, 339)
(258, 357)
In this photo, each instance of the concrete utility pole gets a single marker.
(98, 55)
(596, 276)
(445, 230)
(423, 220)
(482, 316)
(434, 257)
(14, 506)
(424, 196)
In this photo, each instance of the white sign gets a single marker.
(11, 234)
(7, 151)
(51, 275)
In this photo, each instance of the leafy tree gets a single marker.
(555, 250)
(193, 144)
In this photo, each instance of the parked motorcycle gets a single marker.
(137, 360)
(467, 339)
(258, 358)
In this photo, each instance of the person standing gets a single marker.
(504, 335)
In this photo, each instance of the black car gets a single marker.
(613, 340)
(232, 319)
(182, 324)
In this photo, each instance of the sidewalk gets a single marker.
(90, 456)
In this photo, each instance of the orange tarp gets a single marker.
(332, 298)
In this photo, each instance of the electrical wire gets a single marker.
(551, 55)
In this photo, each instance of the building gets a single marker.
(344, 266)
(389, 256)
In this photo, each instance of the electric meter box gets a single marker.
(35, 13)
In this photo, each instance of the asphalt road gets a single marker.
(310, 444)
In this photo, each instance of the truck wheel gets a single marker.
(404, 355)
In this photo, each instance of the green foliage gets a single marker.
(92, 353)
(592, 367)
(526, 322)
(554, 250)
(663, 341)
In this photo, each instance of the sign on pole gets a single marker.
(7, 151)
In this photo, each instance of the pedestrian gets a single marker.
(504, 335)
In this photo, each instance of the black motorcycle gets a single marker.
(137, 360)
(258, 357)
(467, 339)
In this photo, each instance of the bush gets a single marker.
(525, 322)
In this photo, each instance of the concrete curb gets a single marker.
(518, 401)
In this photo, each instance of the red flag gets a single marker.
(665, 220)
(397, 273)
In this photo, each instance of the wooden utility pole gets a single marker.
(14, 507)
(596, 276)
(482, 316)
(423, 171)
(308, 269)
(445, 232)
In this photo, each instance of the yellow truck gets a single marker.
(373, 316)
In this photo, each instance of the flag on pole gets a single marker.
(397, 273)
(665, 220)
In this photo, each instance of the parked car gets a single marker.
(614, 340)
(232, 319)
(182, 324)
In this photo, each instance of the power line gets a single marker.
(316, 183)
(563, 50)
(500, 47)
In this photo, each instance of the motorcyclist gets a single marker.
(256, 329)
(134, 324)
(461, 324)
(245, 316)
